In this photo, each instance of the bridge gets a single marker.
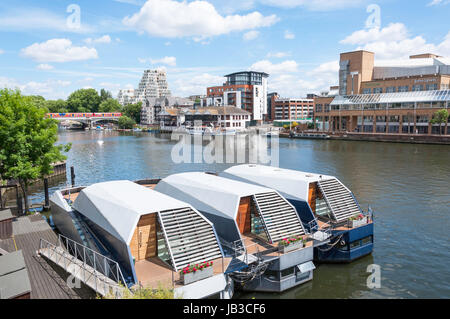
(86, 119)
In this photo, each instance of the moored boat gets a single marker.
(324, 204)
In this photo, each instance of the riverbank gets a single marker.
(390, 138)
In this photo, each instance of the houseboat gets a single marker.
(256, 226)
(155, 239)
(323, 204)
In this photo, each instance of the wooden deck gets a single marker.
(47, 280)
(323, 225)
(255, 245)
(72, 196)
(153, 272)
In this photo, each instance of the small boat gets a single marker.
(311, 136)
(99, 128)
(137, 129)
(272, 133)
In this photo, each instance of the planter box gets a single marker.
(357, 223)
(291, 247)
(196, 276)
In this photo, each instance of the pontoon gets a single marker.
(323, 204)
(251, 222)
(154, 238)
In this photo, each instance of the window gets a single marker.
(390, 89)
(366, 240)
(367, 91)
(403, 88)
(417, 87)
(377, 90)
(287, 272)
(432, 87)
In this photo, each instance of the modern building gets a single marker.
(153, 106)
(270, 97)
(222, 117)
(153, 85)
(246, 90)
(292, 109)
(126, 97)
(386, 96)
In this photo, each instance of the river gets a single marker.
(406, 185)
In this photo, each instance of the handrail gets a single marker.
(71, 250)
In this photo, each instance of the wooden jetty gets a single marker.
(48, 281)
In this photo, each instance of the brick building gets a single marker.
(386, 96)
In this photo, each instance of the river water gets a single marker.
(406, 185)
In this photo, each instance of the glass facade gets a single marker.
(246, 78)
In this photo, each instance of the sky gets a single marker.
(54, 47)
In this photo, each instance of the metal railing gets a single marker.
(85, 264)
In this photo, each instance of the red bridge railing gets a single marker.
(82, 115)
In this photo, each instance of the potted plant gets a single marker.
(357, 221)
(291, 243)
(193, 273)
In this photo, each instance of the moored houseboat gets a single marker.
(323, 204)
(257, 227)
(155, 239)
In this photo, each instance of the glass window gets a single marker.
(367, 91)
(377, 90)
(417, 87)
(403, 88)
(287, 272)
(390, 89)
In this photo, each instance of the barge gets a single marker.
(323, 204)
(251, 222)
(155, 239)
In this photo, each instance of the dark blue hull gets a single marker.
(353, 244)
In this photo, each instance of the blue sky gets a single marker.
(43, 50)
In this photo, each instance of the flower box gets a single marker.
(357, 222)
(189, 278)
(291, 247)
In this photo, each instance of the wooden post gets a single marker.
(47, 199)
(72, 175)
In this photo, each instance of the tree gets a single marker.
(84, 100)
(109, 105)
(27, 141)
(57, 106)
(126, 123)
(440, 117)
(133, 111)
(105, 95)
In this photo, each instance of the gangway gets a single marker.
(98, 272)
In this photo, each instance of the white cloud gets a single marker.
(32, 18)
(197, 19)
(168, 60)
(1, 51)
(50, 89)
(395, 42)
(289, 66)
(288, 35)
(278, 54)
(314, 5)
(58, 50)
(192, 84)
(438, 2)
(250, 35)
(45, 67)
(103, 39)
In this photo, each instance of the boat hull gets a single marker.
(351, 251)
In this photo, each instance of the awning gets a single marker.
(306, 267)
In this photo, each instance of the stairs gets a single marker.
(339, 199)
(279, 217)
(190, 239)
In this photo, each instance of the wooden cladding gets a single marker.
(312, 196)
(143, 244)
(244, 215)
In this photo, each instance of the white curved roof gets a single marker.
(117, 206)
(221, 193)
(291, 183)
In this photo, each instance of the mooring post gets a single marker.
(72, 175)
(47, 199)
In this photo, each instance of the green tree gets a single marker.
(27, 141)
(84, 100)
(109, 105)
(133, 111)
(38, 101)
(57, 106)
(126, 123)
(440, 117)
(105, 95)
